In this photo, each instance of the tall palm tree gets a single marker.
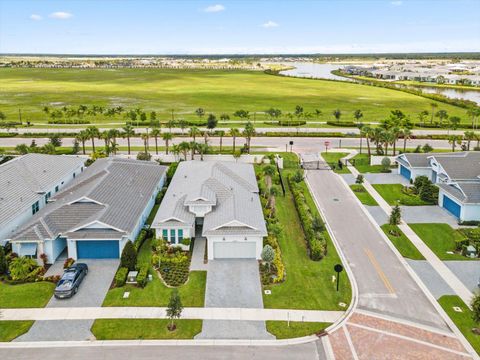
(407, 135)
(362, 134)
(171, 124)
(128, 132)
(175, 150)
(105, 136)
(473, 113)
(433, 106)
(145, 138)
(193, 147)
(82, 136)
(376, 137)
(114, 134)
(167, 137)
(248, 133)
(367, 132)
(442, 115)
(184, 147)
(156, 133)
(454, 140)
(234, 132)
(193, 132)
(395, 134)
(221, 133)
(93, 133)
(469, 136)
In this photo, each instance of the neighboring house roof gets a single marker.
(25, 179)
(469, 193)
(461, 166)
(231, 188)
(112, 193)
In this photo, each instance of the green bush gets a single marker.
(317, 249)
(129, 256)
(121, 277)
(342, 123)
(3, 261)
(142, 236)
(21, 268)
(142, 276)
(174, 268)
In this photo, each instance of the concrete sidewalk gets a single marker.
(85, 313)
(457, 286)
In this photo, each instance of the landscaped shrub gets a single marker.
(23, 269)
(3, 261)
(121, 276)
(68, 262)
(142, 236)
(395, 216)
(317, 249)
(84, 122)
(142, 276)
(174, 268)
(129, 256)
(342, 123)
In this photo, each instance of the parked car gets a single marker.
(71, 280)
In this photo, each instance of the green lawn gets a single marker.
(308, 283)
(137, 329)
(362, 164)
(393, 195)
(10, 330)
(440, 238)
(402, 243)
(30, 295)
(332, 159)
(282, 330)
(156, 293)
(463, 320)
(362, 194)
(217, 91)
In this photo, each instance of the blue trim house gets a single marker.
(456, 174)
(96, 214)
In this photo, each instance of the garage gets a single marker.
(98, 249)
(406, 173)
(451, 206)
(234, 250)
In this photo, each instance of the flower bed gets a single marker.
(172, 263)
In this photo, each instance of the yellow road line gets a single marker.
(380, 273)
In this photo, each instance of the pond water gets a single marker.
(324, 71)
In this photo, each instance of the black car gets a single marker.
(71, 280)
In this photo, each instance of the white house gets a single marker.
(456, 174)
(216, 200)
(96, 214)
(28, 182)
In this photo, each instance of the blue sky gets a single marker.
(203, 27)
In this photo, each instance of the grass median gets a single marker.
(295, 329)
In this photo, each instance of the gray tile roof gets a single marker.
(24, 179)
(470, 193)
(116, 192)
(231, 186)
(461, 166)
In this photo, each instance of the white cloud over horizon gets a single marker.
(62, 15)
(214, 8)
(270, 24)
(35, 17)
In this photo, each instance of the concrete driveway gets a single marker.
(233, 283)
(390, 178)
(428, 214)
(91, 293)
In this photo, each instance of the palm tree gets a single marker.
(82, 136)
(234, 132)
(248, 133)
(167, 137)
(221, 133)
(156, 133)
(193, 132)
(145, 138)
(357, 114)
(376, 137)
(395, 132)
(183, 147)
(421, 116)
(367, 132)
(337, 114)
(202, 149)
(454, 140)
(171, 124)
(362, 134)
(93, 133)
(128, 131)
(175, 150)
(113, 147)
(105, 136)
(441, 114)
(433, 106)
(469, 136)
(407, 135)
(114, 133)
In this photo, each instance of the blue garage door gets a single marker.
(451, 206)
(405, 172)
(98, 249)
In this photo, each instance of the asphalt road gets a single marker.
(384, 284)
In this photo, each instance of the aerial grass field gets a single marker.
(183, 91)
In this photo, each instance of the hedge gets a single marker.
(286, 123)
(142, 276)
(342, 123)
(307, 134)
(142, 235)
(121, 276)
(8, 135)
(69, 122)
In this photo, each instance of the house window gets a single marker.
(35, 208)
(74, 175)
(180, 235)
(56, 188)
(47, 196)
(165, 234)
(172, 236)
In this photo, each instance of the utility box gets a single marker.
(132, 277)
(471, 251)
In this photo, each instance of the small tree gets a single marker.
(359, 180)
(212, 122)
(427, 148)
(268, 254)
(395, 216)
(386, 162)
(174, 309)
(476, 308)
(129, 256)
(3, 261)
(145, 156)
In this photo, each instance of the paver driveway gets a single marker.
(233, 283)
(91, 293)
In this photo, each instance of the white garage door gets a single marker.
(234, 250)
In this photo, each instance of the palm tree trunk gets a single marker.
(83, 146)
(394, 146)
(361, 138)
(221, 139)
(93, 144)
(404, 144)
(166, 146)
(234, 144)
(368, 147)
(156, 145)
(128, 142)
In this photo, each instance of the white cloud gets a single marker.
(214, 8)
(35, 17)
(61, 15)
(397, 3)
(270, 24)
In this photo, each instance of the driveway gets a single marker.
(91, 293)
(428, 214)
(390, 178)
(233, 283)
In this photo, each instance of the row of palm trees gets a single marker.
(110, 137)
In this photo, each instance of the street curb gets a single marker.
(416, 278)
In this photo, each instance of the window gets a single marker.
(47, 196)
(74, 175)
(165, 234)
(180, 235)
(35, 208)
(56, 188)
(172, 236)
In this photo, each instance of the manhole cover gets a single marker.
(335, 199)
